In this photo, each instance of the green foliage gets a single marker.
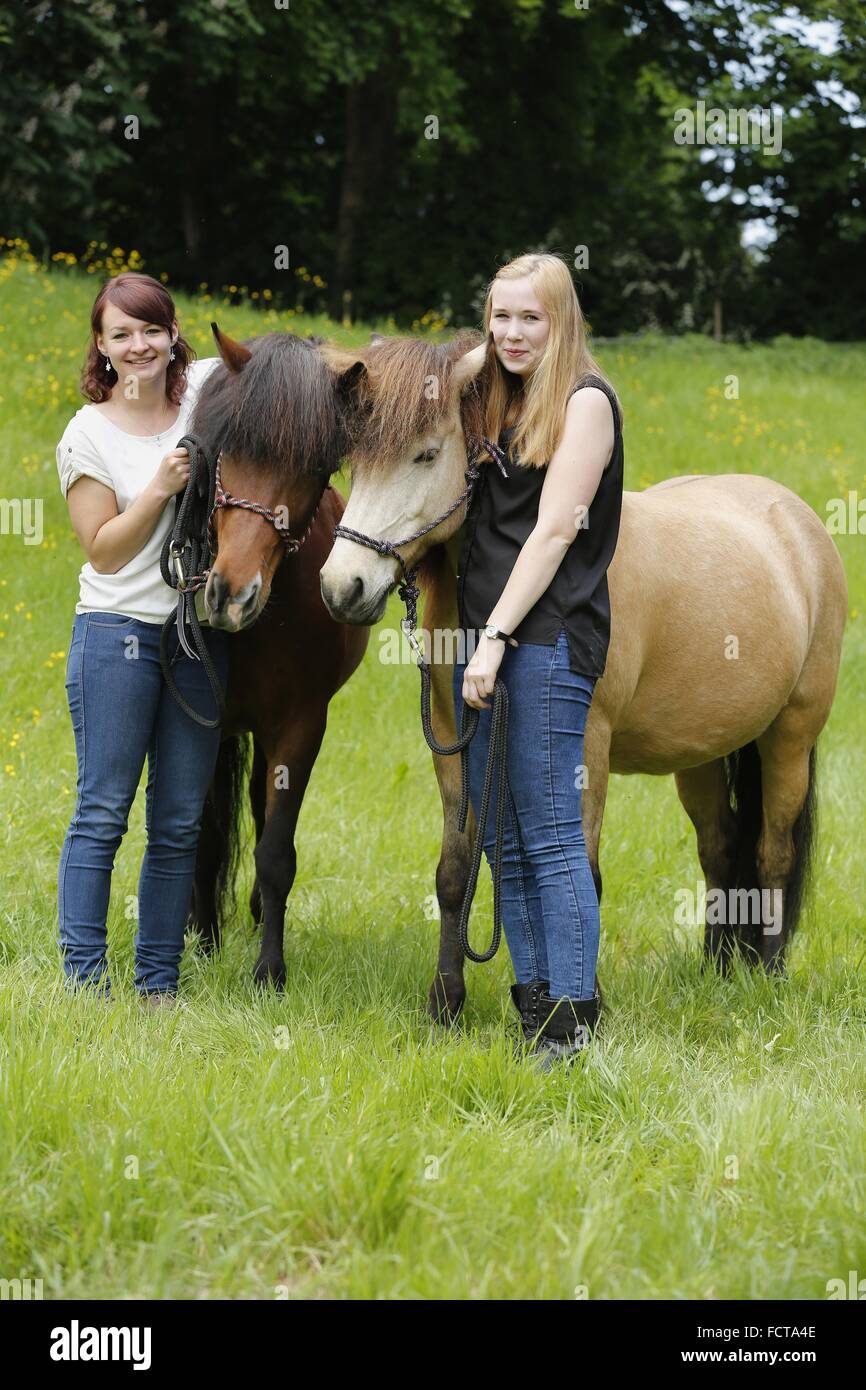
(310, 127)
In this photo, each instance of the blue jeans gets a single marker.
(549, 904)
(121, 712)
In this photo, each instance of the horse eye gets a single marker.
(427, 456)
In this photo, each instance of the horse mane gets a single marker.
(281, 411)
(392, 403)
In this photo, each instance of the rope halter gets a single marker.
(407, 588)
(223, 499)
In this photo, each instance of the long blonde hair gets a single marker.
(538, 408)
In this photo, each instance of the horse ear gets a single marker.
(348, 381)
(235, 355)
(376, 339)
(467, 367)
(348, 369)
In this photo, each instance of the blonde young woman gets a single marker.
(540, 536)
(120, 471)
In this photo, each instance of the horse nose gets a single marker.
(216, 594)
(348, 596)
(246, 606)
(229, 610)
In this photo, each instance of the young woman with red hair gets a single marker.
(120, 471)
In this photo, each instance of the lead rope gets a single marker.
(496, 756)
(184, 565)
(496, 753)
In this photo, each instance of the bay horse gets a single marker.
(272, 410)
(728, 601)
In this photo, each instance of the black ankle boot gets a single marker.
(565, 1027)
(526, 999)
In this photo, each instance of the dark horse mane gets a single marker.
(281, 411)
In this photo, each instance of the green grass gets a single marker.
(327, 1142)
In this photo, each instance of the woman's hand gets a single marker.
(479, 677)
(172, 475)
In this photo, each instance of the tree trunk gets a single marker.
(370, 118)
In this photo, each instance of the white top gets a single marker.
(93, 446)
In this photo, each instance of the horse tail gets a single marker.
(227, 796)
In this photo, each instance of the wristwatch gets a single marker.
(491, 631)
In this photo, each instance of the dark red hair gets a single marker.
(143, 298)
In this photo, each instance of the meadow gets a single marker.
(327, 1141)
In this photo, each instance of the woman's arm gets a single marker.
(110, 538)
(572, 480)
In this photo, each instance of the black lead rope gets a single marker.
(184, 565)
(495, 758)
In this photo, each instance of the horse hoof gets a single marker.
(206, 940)
(265, 974)
(776, 967)
(445, 1002)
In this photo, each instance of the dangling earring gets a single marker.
(171, 355)
(108, 364)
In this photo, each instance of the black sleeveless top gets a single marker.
(502, 512)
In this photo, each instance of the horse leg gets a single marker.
(448, 990)
(208, 857)
(785, 844)
(705, 797)
(258, 779)
(289, 765)
(217, 841)
(596, 754)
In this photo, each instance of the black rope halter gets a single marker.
(496, 753)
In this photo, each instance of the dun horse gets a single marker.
(273, 411)
(728, 602)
